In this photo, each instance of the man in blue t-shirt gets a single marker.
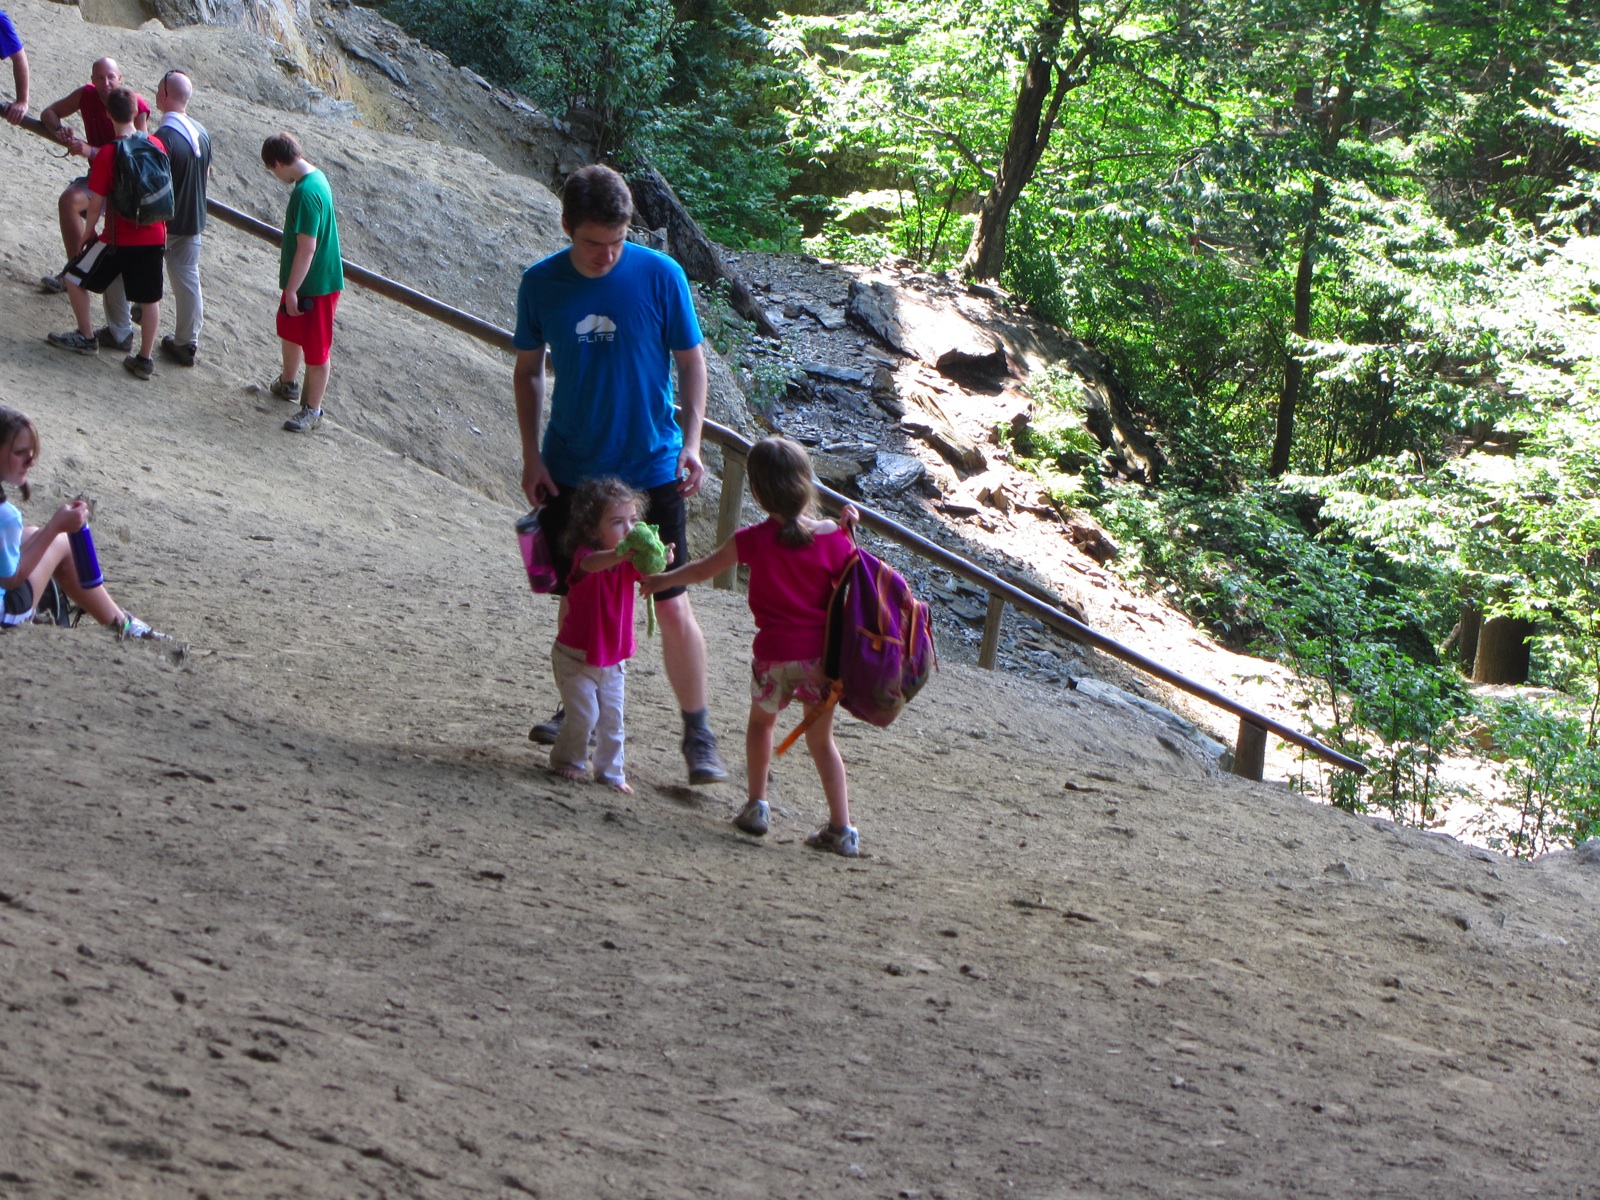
(11, 47)
(613, 318)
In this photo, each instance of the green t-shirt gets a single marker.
(311, 212)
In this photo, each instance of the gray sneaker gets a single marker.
(106, 338)
(304, 421)
(74, 341)
(752, 817)
(138, 367)
(286, 389)
(700, 754)
(846, 841)
(546, 732)
(53, 283)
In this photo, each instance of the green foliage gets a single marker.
(1211, 556)
(730, 176)
(1553, 772)
(691, 91)
(1054, 444)
(609, 58)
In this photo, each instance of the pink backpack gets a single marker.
(879, 647)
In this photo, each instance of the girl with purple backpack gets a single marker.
(795, 558)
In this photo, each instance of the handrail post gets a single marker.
(728, 509)
(1250, 751)
(991, 631)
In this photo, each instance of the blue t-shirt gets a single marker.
(611, 341)
(10, 539)
(10, 43)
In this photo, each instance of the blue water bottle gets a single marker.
(85, 559)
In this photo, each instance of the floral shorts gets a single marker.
(774, 684)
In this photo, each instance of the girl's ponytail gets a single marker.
(780, 480)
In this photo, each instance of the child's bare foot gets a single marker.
(567, 771)
(621, 785)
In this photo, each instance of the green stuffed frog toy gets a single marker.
(644, 548)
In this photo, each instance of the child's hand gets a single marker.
(849, 518)
(72, 517)
(649, 585)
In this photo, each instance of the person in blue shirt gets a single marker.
(11, 47)
(613, 319)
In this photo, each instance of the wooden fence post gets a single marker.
(1250, 751)
(991, 631)
(728, 510)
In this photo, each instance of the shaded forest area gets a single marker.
(1343, 258)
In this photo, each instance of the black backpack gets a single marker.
(141, 181)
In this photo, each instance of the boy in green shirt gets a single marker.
(311, 276)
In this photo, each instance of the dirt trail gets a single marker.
(304, 916)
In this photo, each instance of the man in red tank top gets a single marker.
(98, 130)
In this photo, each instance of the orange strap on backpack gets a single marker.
(835, 690)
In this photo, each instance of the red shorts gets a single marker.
(312, 330)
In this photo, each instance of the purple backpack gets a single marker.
(879, 647)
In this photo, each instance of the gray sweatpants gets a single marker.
(593, 698)
(183, 282)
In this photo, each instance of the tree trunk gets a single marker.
(1337, 120)
(1031, 125)
(656, 202)
(1467, 647)
(1294, 369)
(1502, 651)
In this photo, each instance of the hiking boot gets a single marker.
(700, 753)
(546, 732)
(52, 284)
(304, 421)
(846, 841)
(286, 389)
(106, 338)
(74, 341)
(181, 353)
(138, 366)
(752, 817)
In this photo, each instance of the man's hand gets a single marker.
(537, 484)
(691, 472)
(291, 302)
(16, 111)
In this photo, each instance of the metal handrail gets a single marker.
(1253, 726)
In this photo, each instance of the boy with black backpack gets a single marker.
(134, 176)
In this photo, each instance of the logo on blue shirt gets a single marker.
(595, 328)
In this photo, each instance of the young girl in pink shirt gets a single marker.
(596, 635)
(795, 558)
